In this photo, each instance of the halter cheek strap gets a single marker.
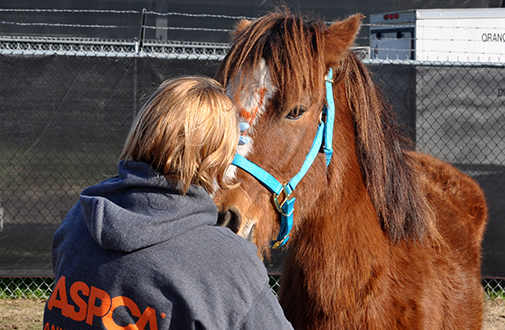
(329, 112)
(323, 140)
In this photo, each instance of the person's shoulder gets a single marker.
(228, 237)
(235, 248)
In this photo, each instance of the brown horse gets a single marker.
(383, 237)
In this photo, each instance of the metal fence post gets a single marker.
(142, 30)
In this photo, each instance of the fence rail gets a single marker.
(11, 45)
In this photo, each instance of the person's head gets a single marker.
(187, 130)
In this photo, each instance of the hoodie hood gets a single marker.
(140, 208)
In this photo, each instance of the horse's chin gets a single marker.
(248, 232)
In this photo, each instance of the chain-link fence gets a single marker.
(66, 107)
(41, 287)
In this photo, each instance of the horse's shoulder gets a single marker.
(445, 176)
(454, 195)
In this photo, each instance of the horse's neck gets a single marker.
(343, 229)
(340, 245)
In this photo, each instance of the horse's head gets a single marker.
(275, 73)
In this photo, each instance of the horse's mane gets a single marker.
(387, 168)
(294, 51)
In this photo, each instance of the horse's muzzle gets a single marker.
(232, 219)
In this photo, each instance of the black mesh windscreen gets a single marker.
(63, 121)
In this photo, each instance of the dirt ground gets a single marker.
(22, 314)
(495, 315)
(25, 314)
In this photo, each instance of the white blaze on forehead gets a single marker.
(254, 94)
(251, 102)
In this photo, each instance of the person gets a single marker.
(141, 250)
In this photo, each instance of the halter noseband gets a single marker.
(323, 140)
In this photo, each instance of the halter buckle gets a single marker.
(286, 198)
(329, 77)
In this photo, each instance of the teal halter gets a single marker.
(323, 140)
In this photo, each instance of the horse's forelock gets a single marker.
(292, 50)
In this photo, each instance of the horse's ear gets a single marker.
(339, 37)
(241, 26)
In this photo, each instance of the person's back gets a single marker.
(140, 250)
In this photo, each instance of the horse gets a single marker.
(378, 235)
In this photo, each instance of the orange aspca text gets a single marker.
(99, 304)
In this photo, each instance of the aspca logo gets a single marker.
(98, 306)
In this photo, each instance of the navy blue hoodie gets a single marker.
(135, 252)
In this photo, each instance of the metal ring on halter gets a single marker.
(286, 198)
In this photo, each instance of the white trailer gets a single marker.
(446, 35)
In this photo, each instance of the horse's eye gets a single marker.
(296, 113)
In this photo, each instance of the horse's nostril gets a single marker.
(230, 218)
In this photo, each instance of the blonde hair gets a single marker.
(187, 130)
